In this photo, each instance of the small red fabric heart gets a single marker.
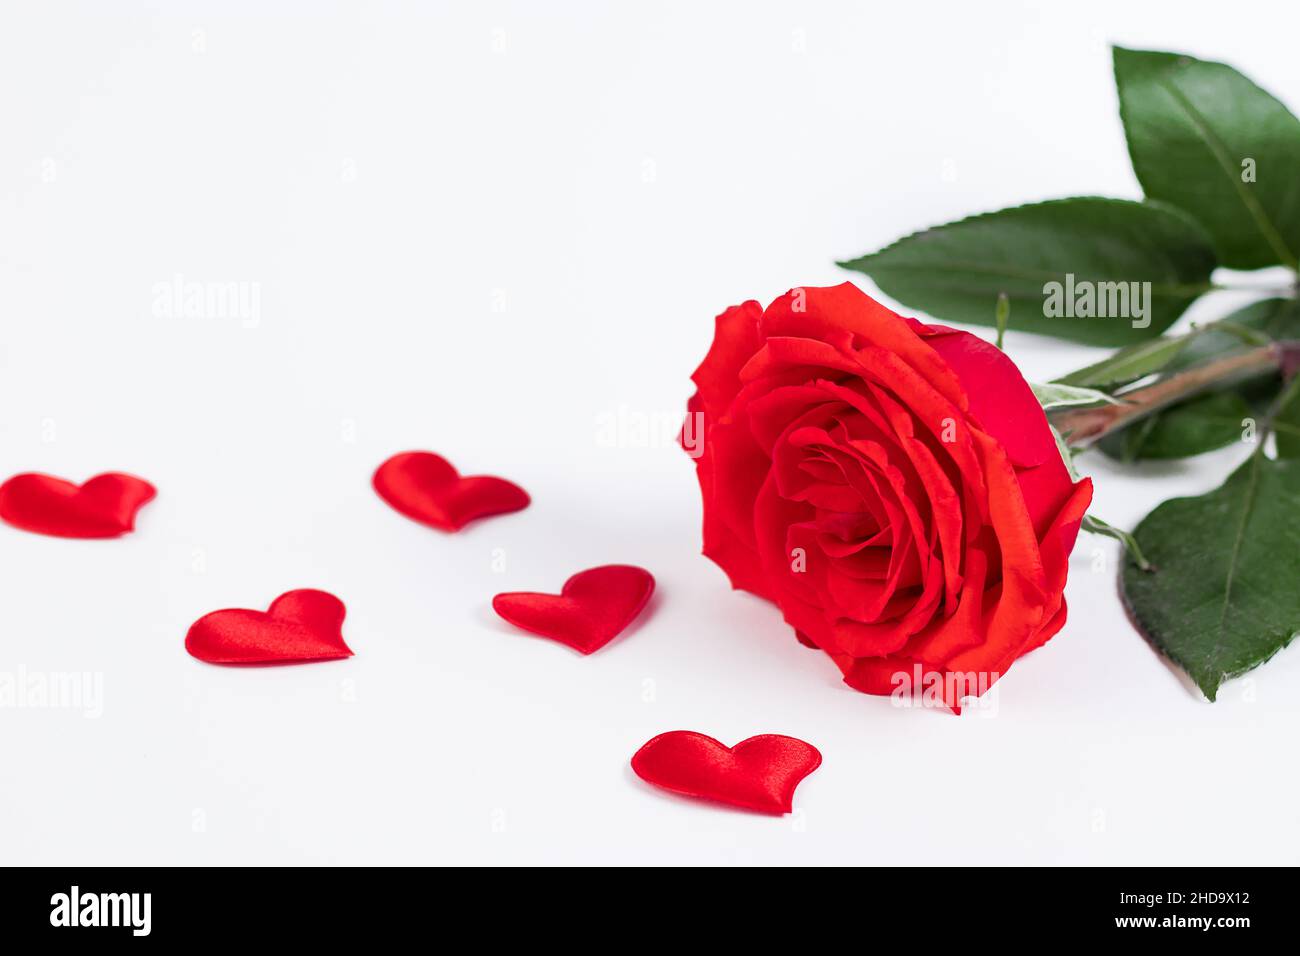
(760, 773)
(592, 608)
(104, 507)
(302, 625)
(426, 488)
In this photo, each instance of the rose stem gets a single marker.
(1083, 426)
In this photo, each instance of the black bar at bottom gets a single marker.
(211, 905)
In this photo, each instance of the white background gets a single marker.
(476, 229)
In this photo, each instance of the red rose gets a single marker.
(893, 487)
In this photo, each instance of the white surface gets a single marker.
(391, 175)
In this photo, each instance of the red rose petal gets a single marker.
(760, 773)
(104, 507)
(426, 488)
(893, 487)
(590, 611)
(303, 625)
(1000, 398)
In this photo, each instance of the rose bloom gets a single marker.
(893, 487)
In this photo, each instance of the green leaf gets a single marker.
(1223, 597)
(1198, 132)
(1053, 395)
(1201, 424)
(1286, 428)
(1256, 324)
(955, 272)
(1128, 364)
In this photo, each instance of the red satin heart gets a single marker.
(302, 625)
(104, 507)
(591, 609)
(425, 487)
(760, 773)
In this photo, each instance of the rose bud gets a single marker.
(893, 487)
